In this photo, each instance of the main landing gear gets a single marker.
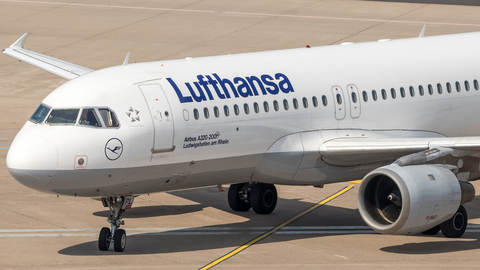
(114, 235)
(454, 227)
(261, 197)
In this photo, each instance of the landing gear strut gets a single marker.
(114, 235)
(261, 197)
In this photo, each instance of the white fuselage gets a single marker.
(164, 147)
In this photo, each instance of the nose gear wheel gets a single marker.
(114, 235)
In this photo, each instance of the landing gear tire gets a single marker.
(235, 201)
(120, 240)
(118, 236)
(456, 226)
(432, 231)
(104, 239)
(263, 198)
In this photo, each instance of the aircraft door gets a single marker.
(354, 98)
(162, 117)
(339, 102)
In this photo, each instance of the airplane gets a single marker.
(399, 114)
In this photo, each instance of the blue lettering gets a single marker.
(214, 83)
(251, 80)
(267, 79)
(243, 88)
(205, 86)
(179, 94)
(284, 84)
(223, 83)
(198, 98)
(222, 88)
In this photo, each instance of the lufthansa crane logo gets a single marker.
(113, 149)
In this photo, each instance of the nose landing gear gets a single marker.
(114, 235)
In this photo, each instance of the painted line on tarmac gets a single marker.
(93, 232)
(289, 230)
(293, 230)
(276, 229)
(239, 13)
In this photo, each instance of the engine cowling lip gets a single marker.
(404, 214)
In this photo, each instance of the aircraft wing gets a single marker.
(56, 66)
(356, 151)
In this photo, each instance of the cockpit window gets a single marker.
(89, 118)
(63, 116)
(108, 118)
(40, 114)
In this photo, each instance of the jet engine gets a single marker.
(411, 199)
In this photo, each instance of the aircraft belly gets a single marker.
(141, 180)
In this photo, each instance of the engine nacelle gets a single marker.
(411, 199)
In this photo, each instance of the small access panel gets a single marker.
(162, 118)
(354, 98)
(339, 102)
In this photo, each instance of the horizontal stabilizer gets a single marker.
(53, 65)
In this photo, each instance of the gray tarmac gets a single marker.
(188, 229)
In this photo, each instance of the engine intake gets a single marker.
(411, 199)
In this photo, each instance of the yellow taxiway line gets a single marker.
(276, 229)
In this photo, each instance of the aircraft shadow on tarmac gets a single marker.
(214, 237)
(434, 247)
(470, 241)
(438, 2)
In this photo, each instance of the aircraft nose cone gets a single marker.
(32, 160)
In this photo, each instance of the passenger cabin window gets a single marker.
(216, 111)
(475, 84)
(439, 88)
(40, 114)
(374, 95)
(206, 113)
(365, 96)
(265, 106)
(196, 115)
(354, 97)
(457, 85)
(384, 94)
(256, 108)
(89, 118)
(226, 110)
(295, 103)
(467, 86)
(63, 116)
(324, 101)
(314, 101)
(285, 104)
(402, 92)
(236, 109)
(449, 87)
(339, 99)
(394, 94)
(420, 90)
(305, 102)
(412, 91)
(246, 108)
(275, 105)
(430, 89)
